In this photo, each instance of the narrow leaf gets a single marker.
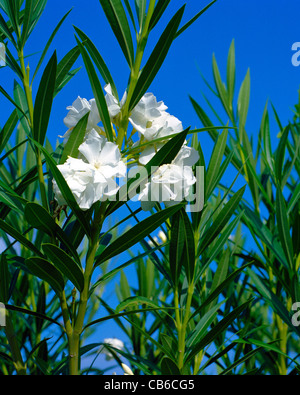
(46, 272)
(65, 264)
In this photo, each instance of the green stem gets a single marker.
(28, 93)
(135, 72)
(182, 326)
(75, 332)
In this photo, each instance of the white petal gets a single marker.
(92, 146)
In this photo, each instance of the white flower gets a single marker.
(148, 115)
(152, 122)
(127, 370)
(79, 108)
(113, 105)
(93, 177)
(171, 183)
(116, 343)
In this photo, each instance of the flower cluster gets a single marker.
(92, 175)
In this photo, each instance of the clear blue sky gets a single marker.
(264, 32)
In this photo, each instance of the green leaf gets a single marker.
(4, 93)
(272, 300)
(140, 7)
(188, 24)
(65, 65)
(65, 264)
(8, 129)
(4, 279)
(284, 228)
(28, 16)
(75, 139)
(44, 100)
(254, 223)
(169, 367)
(20, 98)
(137, 233)
(159, 10)
(177, 245)
(98, 92)
(136, 301)
(38, 217)
(189, 247)
(19, 237)
(98, 60)
(33, 313)
(46, 272)
(280, 154)
(117, 19)
(220, 275)
(215, 162)
(221, 220)
(219, 328)
(202, 326)
(243, 101)
(231, 73)
(6, 31)
(221, 88)
(156, 59)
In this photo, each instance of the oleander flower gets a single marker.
(148, 116)
(79, 108)
(171, 183)
(116, 343)
(113, 104)
(92, 178)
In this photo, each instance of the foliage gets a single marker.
(204, 301)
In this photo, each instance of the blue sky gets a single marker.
(264, 32)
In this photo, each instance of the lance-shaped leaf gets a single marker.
(28, 16)
(65, 264)
(284, 228)
(44, 270)
(8, 129)
(64, 67)
(221, 220)
(169, 367)
(75, 139)
(44, 100)
(243, 101)
(38, 217)
(117, 19)
(98, 92)
(18, 236)
(156, 58)
(159, 10)
(215, 162)
(4, 279)
(220, 327)
(137, 233)
(188, 256)
(176, 247)
(6, 32)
